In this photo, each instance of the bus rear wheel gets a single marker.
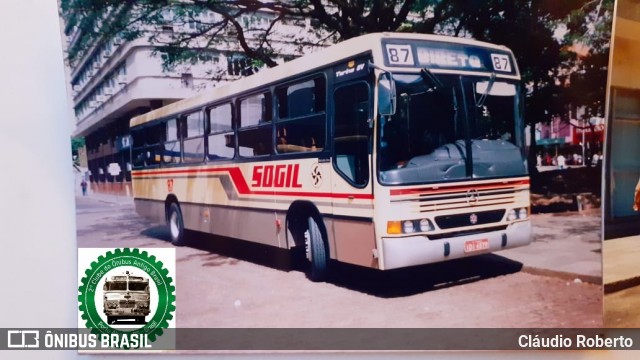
(176, 225)
(316, 252)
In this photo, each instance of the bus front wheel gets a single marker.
(316, 252)
(176, 225)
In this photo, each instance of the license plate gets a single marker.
(476, 245)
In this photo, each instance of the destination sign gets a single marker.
(448, 56)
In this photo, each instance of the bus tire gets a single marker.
(318, 254)
(176, 225)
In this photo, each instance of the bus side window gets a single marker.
(301, 116)
(148, 145)
(351, 132)
(193, 135)
(254, 135)
(221, 141)
(171, 151)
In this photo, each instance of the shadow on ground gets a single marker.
(386, 284)
(419, 279)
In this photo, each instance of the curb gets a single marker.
(621, 284)
(564, 275)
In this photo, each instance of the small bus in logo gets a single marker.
(126, 297)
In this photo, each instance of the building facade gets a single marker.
(119, 79)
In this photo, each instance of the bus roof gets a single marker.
(321, 58)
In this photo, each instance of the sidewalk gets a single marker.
(566, 245)
(621, 267)
(106, 198)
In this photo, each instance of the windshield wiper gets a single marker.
(483, 97)
(428, 75)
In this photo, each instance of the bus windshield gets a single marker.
(137, 286)
(117, 286)
(451, 127)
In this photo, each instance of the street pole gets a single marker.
(583, 131)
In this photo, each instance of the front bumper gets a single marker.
(417, 250)
(127, 312)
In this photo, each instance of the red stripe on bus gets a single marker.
(457, 188)
(243, 188)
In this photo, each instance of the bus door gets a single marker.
(354, 240)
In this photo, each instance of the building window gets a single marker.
(237, 65)
(187, 80)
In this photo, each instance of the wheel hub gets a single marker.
(173, 225)
(307, 245)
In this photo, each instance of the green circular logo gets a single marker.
(127, 295)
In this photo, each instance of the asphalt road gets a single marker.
(227, 283)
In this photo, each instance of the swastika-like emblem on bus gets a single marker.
(472, 196)
(316, 175)
(473, 219)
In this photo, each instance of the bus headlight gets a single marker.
(511, 215)
(425, 225)
(407, 227)
(523, 213)
(112, 304)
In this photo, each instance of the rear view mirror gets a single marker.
(386, 94)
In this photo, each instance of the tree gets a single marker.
(553, 72)
(76, 143)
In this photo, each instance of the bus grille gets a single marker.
(127, 303)
(466, 232)
(434, 200)
(463, 220)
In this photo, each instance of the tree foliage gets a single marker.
(561, 46)
(526, 26)
(77, 143)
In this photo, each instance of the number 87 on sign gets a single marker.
(400, 54)
(501, 62)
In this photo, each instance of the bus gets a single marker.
(386, 151)
(126, 297)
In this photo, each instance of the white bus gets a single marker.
(126, 297)
(386, 151)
